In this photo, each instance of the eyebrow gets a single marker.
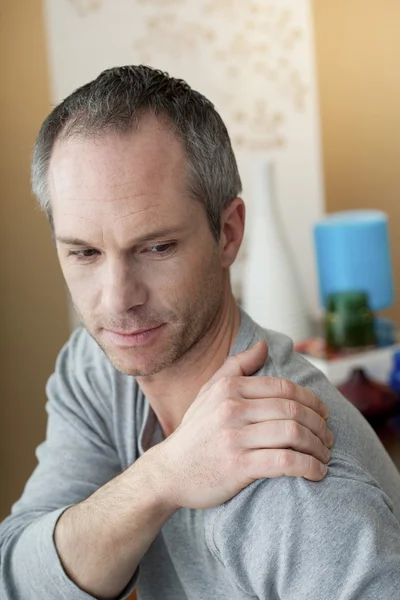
(70, 241)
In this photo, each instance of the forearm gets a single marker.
(101, 541)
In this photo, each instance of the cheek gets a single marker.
(193, 274)
(167, 281)
(171, 282)
(82, 285)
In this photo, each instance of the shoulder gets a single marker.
(286, 498)
(354, 437)
(276, 532)
(282, 360)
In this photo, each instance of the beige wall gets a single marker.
(33, 310)
(358, 55)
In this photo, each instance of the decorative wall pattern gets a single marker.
(253, 59)
(258, 54)
(83, 7)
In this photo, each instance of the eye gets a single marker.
(83, 255)
(159, 249)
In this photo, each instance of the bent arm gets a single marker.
(101, 541)
(80, 527)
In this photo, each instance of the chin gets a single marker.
(129, 363)
(138, 370)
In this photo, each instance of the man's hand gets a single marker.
(242, 428)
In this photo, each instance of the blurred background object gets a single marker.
(349, 321)
(272, 290)
(376, 401)
(355, 279)
(353, 253)
(311, 85)
(355, 275)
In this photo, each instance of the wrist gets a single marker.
(158, 478)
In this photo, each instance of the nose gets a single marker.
(122, 288)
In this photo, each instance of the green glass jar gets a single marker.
(349, 322)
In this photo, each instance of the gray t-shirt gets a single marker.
(278, 539)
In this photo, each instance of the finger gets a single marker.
(284, 434)
(274, 409)
(275, 463)
(244, 363)
(275, 387)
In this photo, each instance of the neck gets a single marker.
(172, 391)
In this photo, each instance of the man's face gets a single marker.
(138, 256)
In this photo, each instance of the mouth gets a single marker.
(135, 337)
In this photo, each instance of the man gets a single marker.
(166, 465)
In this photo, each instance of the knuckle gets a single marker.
(230, 439)
(233, 360)
(228, 410)
(226, 386)
(308, 463)
(322, 427)
(235, 463)
(221, 385)
(317, 405)
(293, 410)
(286, 388)
(285, 460)
(293, 430)
(230, 464)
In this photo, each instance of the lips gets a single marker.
(134, 331)
(135, 337)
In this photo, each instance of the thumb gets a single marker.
(244, 363)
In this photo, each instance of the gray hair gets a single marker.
(115, 101)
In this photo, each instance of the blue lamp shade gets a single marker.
(353, 254)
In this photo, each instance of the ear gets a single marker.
(232, 229)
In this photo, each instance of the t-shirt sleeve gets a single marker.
(77, 457)
(289, 538)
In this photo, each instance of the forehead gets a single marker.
(112, 174)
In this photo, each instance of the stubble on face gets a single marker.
(184, 326)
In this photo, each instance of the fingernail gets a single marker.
(327, 454)
(330, 439)
(323, 469)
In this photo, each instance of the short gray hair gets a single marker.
(114, 102)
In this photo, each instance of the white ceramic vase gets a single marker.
(272, 291)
